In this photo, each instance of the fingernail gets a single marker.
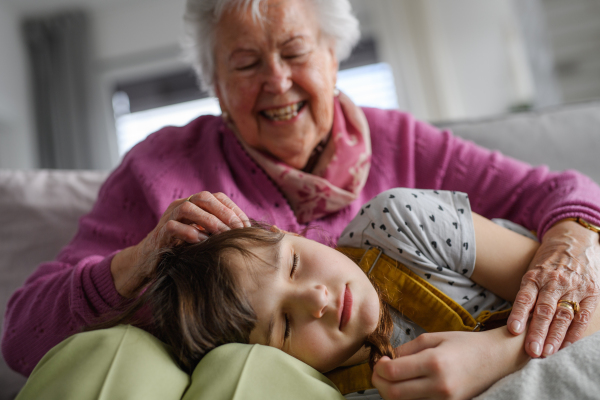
(516, 326)
(535, 348)
(202, 236)
(238, 224)
(566, 344)
(548, 350)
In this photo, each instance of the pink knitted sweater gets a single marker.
(64, 295)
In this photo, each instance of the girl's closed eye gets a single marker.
(292, 273)
(287, 328)
(294, 265)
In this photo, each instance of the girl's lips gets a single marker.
(346, 308)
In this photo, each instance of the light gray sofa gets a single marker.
(39, 210)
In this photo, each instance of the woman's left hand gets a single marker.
(565, 267)
(448, 365)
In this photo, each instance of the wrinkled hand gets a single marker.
(448, 365)
(565, 267)
(183, 221)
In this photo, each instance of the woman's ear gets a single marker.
(335, 65)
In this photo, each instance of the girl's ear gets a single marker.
(275, 229)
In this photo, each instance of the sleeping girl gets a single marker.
(260, 285)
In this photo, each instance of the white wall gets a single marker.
(449, 59)
(137, 26)
(453, 58)
(486, 53)
(574, 28)
(18, 148)
(131, 40)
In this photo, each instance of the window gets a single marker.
(145, 106)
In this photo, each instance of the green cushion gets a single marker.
(240, 371)
(125, 362)
(118, 363)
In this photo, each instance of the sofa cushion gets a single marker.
(39, 211)
(566, 137)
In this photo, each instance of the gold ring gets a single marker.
(188, 199)
(573, 305)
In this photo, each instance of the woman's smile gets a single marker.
(276, 79)
(285, 113)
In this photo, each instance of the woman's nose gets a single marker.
(315, 299)
(278, 77)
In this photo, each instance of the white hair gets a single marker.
(336, 22)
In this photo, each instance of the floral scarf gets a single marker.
(338, 176)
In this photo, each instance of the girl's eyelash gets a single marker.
(294, 265)
(287, 320)
(287, 328)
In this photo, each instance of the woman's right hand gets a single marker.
(185, 220)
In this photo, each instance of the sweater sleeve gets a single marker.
(63, 296)
(502, 187)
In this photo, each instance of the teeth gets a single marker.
(283, 113)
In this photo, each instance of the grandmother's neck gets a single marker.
(316, 153)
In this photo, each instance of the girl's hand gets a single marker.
(186, 220)
(565, 267)
(448, 365)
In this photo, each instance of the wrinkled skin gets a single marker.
(260, 66)
(565, 267)
(277, 62)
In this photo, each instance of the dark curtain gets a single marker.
(58, 48)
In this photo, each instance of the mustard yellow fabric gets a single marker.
(415, 298)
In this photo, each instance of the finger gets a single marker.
(175, 230)
(543, 314)
(581, 320)
(421, 343)
(234, 207)
(402, 368)
(189, 214)
(522, 306)
(558, 329)
(411, 389)
(209, 203)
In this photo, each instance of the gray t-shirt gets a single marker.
(430, 232)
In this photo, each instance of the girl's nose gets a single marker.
(315, 300)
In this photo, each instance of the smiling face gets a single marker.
(311, 301)
(275, 78)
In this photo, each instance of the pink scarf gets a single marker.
(340, 173)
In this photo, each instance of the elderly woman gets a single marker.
(293, 152)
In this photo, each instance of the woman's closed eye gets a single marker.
(246, 66)
(295, 55)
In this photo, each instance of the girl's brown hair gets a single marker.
(196, 303)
